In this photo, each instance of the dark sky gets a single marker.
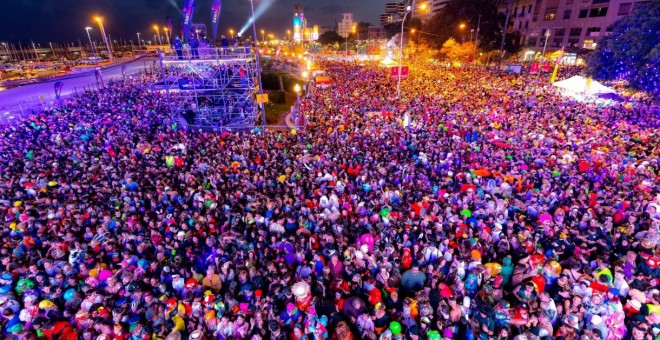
(65, 20)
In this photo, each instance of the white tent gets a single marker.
(578, 85)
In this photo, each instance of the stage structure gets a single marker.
(211, 88)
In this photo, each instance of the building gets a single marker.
(311, 33)
(394, 12)
(572, 24)
(376, 32)
(299, 23)
(426, 9)
(437, 6)
(324, 29)
(346, 24)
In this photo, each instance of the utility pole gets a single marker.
(506, 26)
(476, 39)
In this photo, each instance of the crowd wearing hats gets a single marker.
(474, 207)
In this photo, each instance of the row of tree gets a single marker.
(631, 52)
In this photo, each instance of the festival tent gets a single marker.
(581, 85)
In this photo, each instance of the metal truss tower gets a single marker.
(211, 88)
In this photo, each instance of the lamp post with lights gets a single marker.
(99, 20)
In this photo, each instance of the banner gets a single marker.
(546, 66)
(554, 74)
(561, 56)
(58, 89)
(188, 11)
(168, 23)
(394, 71)
(534, 69)
(216, 6)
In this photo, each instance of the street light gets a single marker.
(263, 33)
(256, 57)
(90, 43)
(160, 41)
(398, 85)
(99, 20)
(288, 33)
(96, 60)
(296, 118)
(347, 35)
(167, 35)
(547, 35)
(231, 33)
(8, 52)
(139, 41)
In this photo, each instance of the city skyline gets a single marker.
(65, 20)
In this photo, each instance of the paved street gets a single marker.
(12, 100)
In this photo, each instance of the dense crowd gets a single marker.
(476, 207)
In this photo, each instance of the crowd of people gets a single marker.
(475, 207)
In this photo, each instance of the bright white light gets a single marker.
(259, 11)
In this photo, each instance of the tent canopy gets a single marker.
(578, 84)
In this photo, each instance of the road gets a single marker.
(15, 99)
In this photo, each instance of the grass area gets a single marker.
(274, 111)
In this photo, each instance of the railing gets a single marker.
(209, 53)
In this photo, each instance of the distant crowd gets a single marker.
(474, 207)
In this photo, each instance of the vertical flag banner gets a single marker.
(588, 84)
(534, 69)
(216, 6)
(546, 66)
(561, 56)
(554, 74)
(188, 10)
(58, 89)
(168, 23)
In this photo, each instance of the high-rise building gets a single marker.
(426, 9)
(299, 23)
(345, 25)
(394, 12)
(573, 24)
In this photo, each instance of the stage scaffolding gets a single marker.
(211, 88)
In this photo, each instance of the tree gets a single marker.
(456, 52)
(632, 51)
(363, 30)
(445, 24)
(330, 38)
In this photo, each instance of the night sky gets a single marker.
(65, 20)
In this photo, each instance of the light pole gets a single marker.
(8, 52)
(91, 44)
(263, 38)
(547, 35)
(167, 35)
(231, 33)
(105, 38)
(34, 48)
(139, 41)
(160, 41)
(96, 60)
(347, 35)
(296, 120)
(51, 49)
(398, 85)
(256, 55)
(462, 27)
(288, 33)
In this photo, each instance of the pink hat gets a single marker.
(290, 308)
